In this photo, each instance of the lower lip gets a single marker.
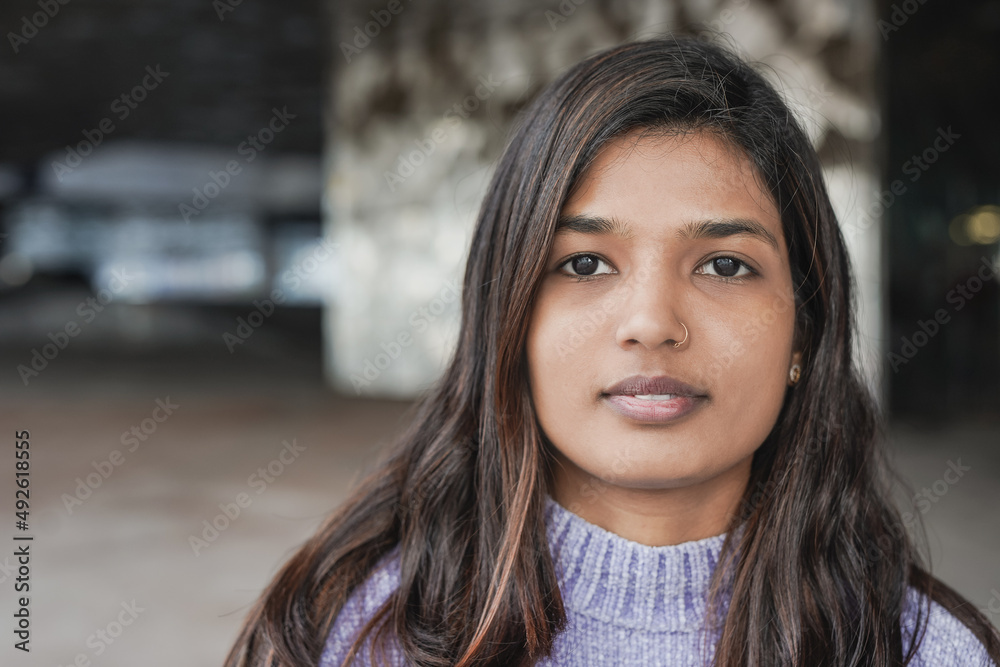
(653, 411)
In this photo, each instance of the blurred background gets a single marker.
(232, 235)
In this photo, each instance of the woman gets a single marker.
(652, 410)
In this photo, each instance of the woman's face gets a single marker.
(662, 231)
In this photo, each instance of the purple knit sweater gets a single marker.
(631, 604)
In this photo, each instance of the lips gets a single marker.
(640, 385)
(654, 399)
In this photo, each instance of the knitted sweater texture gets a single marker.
(631, 604)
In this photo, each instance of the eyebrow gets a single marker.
(715, 228)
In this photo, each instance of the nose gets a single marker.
(648, 311)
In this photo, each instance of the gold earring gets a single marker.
(795, 373)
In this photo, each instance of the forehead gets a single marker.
(673, 179)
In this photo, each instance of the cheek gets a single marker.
(750, 360)
(557, 336)
(558, 344)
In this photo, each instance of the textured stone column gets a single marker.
(422, 96)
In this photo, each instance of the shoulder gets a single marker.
(946, 641)
(361, 605)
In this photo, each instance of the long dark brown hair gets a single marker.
(823, 561)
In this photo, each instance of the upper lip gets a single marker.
(661, 384)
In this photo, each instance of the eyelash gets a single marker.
(728, 279)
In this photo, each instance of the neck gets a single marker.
(653, 516)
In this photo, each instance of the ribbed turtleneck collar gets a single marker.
(625, 583)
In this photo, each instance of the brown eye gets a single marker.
(728, 267)
(585, 265)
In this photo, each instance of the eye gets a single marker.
(584, 266)
(729, 268)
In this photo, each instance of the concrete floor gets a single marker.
(129, 540)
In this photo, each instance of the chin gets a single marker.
(649, 474)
